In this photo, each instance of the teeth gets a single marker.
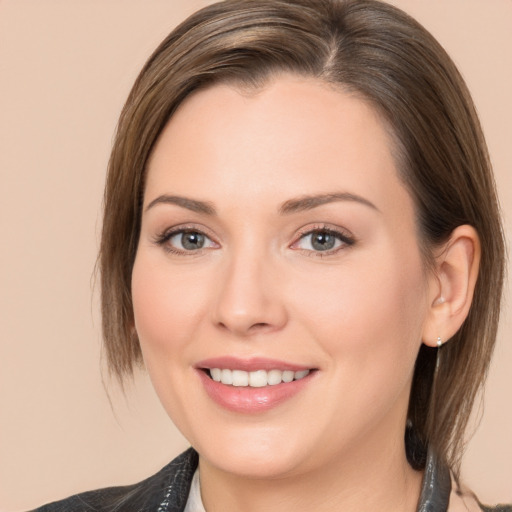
(288, 376)
(274, 377)
(240, 378)
(226, 377)
(256, 379)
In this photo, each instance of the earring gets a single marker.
(439, 343)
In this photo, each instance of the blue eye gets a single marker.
(188, 240)
(323, 240)
(185, 240)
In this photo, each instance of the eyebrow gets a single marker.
(194, 205)
(303, 203)
(308, 202)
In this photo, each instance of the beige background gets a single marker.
(66, 67)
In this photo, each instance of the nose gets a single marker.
(249, 299)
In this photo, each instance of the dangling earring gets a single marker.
(439, 343)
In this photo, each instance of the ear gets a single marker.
(452, 285)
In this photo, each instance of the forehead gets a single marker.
(293, 136)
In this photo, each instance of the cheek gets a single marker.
(166, 305)
(166, 308)
(369, 315)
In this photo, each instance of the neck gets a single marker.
(377, 478)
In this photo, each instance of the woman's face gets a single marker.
(277, 239)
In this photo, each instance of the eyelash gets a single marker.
(163, 238)
(346, 240)
(342, 236)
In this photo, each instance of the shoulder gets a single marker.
(167, 490)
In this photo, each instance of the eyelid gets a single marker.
(342, 234)
(164, 236)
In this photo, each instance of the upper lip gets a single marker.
(250, 364)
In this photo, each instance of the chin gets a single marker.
(262, 452)
(253, 463)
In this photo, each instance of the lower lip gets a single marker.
(246, 399)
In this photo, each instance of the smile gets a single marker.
(255, 379)
(254, 385)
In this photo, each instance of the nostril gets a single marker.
(260, 327)
(245, 329)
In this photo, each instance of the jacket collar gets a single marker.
(436, 487)
(434, 497)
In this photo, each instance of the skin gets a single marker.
(258, 288)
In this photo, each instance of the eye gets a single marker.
(188, 240)
(322, 240)
(185, 241)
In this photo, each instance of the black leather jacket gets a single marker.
(168, 490)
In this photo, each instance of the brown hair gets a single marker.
(380, 53)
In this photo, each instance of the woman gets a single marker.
(302, 243)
